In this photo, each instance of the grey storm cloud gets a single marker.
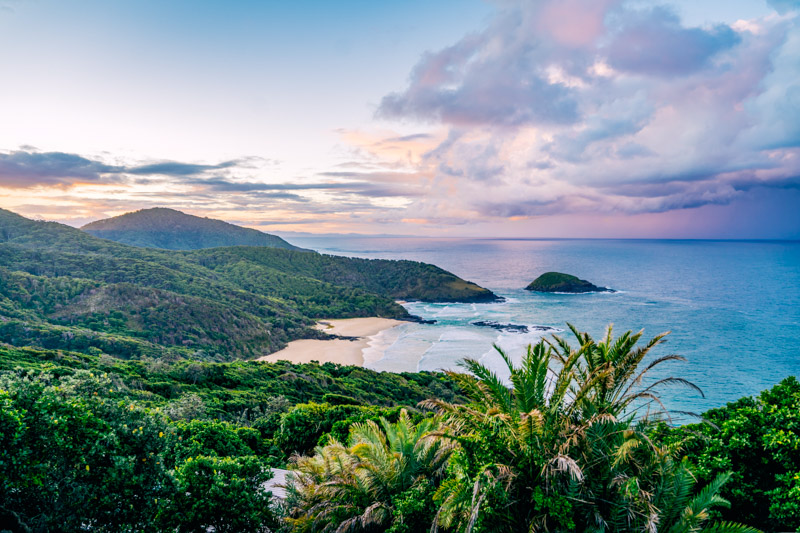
(521, 208)
(359, 185)
(25, 169)
(281, 196)
(225, 185)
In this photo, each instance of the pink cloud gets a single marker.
(574, 23)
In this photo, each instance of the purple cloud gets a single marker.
(30, 168)
(469, 84)
(176, 168)
(654, 43)
(21, 169)
(589, 107)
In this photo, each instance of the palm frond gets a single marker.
(729, 527)
(495, 392)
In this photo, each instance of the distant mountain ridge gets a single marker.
(169, 229)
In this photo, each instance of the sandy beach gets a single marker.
(340, 351)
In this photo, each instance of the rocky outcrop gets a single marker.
(512, 328)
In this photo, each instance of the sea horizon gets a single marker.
(288, 235)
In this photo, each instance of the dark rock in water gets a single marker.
(482, 298)
(418, 320)
(542, 328)
(515, 328)
(558, 282)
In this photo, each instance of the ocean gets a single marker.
(732, 307)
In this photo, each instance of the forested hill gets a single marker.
(173, 230)
(63, 288)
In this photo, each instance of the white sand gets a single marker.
(340, 351)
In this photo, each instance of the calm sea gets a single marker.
(733, 308)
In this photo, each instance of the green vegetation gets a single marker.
(61, 288)
(558, 282)
(91, 442)
(78, 456)
(758, 440)
(383, 480)
(238, 391)
(558, 451)
(398, 279)
(172, 230)
(160, 439)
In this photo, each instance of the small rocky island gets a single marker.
(558, 282)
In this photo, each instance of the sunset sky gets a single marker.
(540, 118)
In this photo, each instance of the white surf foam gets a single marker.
(378, 344)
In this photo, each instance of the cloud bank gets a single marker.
(595, 106)
(77, 189)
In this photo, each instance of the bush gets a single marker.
(223, 493)
(758, 440)
(71, 457)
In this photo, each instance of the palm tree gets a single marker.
(563, 448)
(374, 483)
(511, 441)
(613, 366)
(682, 511)
(621, 465)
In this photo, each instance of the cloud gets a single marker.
(175, 168)
(631, 149)
(654, 42)
(474, 82)
(363, 188)
(596, 107)
(407, 138)
(230, 187)
(555, 110)
(22, 169)
(784, 6)
(30, 168)
(282, 196)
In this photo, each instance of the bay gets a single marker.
(733, 307)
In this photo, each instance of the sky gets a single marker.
(470, 118)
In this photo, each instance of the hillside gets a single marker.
(403, 280)
(173, 230)
(61, 288)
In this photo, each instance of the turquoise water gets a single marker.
(733, 307)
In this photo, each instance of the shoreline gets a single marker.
(349, 351)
